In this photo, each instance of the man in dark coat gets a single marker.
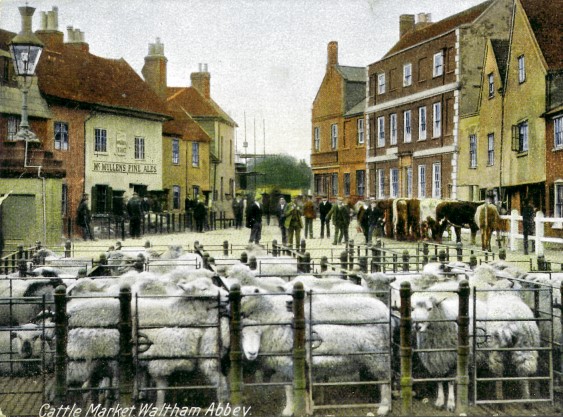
(200, 212)
(135, 211)
(84, 218)
(340, 216)
(254, 221)
(238, 211)
(375, 219)
(528, 215)
(324, 208)
(281, 219)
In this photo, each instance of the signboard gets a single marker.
(121, 144)
(125, 168)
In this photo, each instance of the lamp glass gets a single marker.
(25, 57)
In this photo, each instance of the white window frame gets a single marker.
(380, 132)
(394, 182)
(393, 128)
(437, 118)
(438, 68)
(490, 149)
(407, 74)
(380, 183)
(558, 200)
(100, 140)
(558, 132)
(381, 83)
(195, 154)
(407, 126)
(521, 69)
(361, 131)
(422, 123)
(360, 182)
(422, 181)
(61, 136)
(334, 183)
(523, 132)
(334, 135)
(472, 151)
(346, 182)
(436, 180)
(13, 127)
(491, 79)
(139, 147)
(317, 139)
(175, 151)
(409, 182)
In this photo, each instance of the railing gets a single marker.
(539, 237)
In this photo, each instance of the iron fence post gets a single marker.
(235, 354)
(299, 375)
(226, 248)
(125, 327)
(406, 349)
(463, 349)
(61, 334)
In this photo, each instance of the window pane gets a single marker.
(558, 134)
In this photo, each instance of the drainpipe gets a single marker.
(43, 190)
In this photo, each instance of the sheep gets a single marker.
(14, 309)
(22, 349)
(244, 276)
(431, 309)
(177, 348)
(269, 338)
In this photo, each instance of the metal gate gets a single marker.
(322, 331)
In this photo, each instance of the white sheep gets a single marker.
(22, 298)
(178, 330)
(335, 338)
(434, 316)
(23, 348)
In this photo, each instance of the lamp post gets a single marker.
(25, 49)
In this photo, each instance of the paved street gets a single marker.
(213, 241)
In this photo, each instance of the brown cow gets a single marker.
(457, 214)
(487, 218)
(400, 220)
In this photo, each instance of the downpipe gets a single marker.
(43, 190)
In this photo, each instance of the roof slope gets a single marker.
(500, 50)
(76, 75)
(435, 29)
(546, 20)
(192, 101)
(184, 126)
(354, 85)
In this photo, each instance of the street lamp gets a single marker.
(26, 49)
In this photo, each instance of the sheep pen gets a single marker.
(327, 337)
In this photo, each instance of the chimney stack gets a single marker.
(406, 24)
(154, 70)
(75, 39)
(49, 30)
(201, 81)
(332, 54)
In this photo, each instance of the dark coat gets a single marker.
(83, 216)
(253, 215)
(528, 218)
(324, 208)
(134, 208)
(200, 210)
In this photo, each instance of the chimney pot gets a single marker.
(43, 20)
(70, 34)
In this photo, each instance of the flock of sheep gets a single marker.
(181, 322)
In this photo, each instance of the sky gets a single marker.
(267, 58)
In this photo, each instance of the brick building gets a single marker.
(338, 134)
(417, 94)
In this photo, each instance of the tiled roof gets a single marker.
(191, 100)
(352, 74)
(500, 50)
(435, 29)
(546, 17)
(183, 125)
(76, 75)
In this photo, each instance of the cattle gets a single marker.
(457, 214)
(488, 219)
(406, 218)
(427, 214)
(400, 214)
(387, 207)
